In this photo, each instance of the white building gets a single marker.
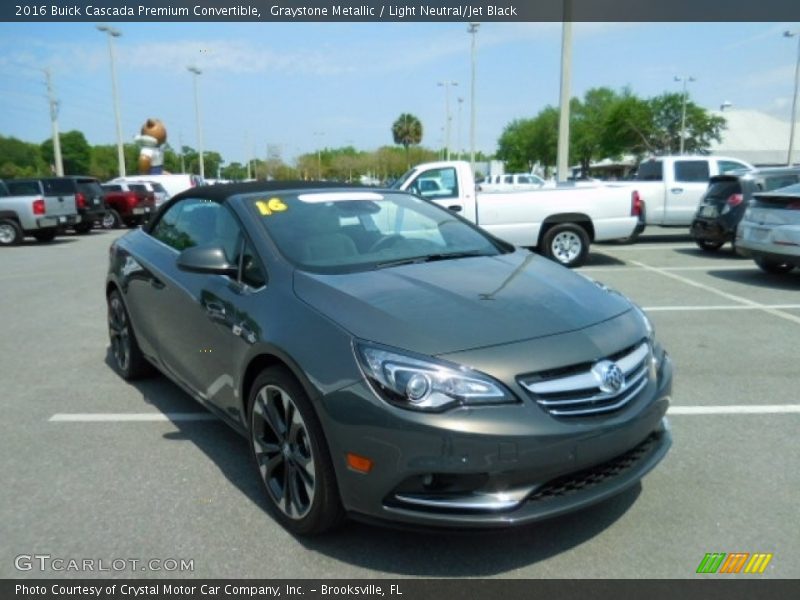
(755, 137)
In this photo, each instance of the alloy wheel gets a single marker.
(119, 333)
(282, 447)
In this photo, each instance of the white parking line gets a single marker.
(713, 290)
(129, 417)
(719, 307)
(735, 409)
(640, 246)
(628, 268)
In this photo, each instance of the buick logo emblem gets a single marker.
(610, 376)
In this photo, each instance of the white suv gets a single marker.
(770, 230)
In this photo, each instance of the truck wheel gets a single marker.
(10, 233)
(567, 244)
(111, 220)
(45, 235)
(773, 266)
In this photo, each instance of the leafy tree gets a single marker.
(589, 126)
(235, 171)
(407, 131)
(525, 142)
(20, 159)
(700, 130)
(75, 152)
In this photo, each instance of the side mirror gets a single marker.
(206, 259)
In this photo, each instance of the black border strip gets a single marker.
(389, 11)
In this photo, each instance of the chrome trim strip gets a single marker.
(629, 383)
(471, 501)
(600, 409)
(587, 380)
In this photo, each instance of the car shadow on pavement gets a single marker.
(723, 254)
(598, 259)
(398, 550)
(758, 278)
(214, 438)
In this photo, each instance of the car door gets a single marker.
(689, 182)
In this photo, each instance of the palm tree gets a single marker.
(407, 130)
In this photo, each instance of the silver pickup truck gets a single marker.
(24, 210)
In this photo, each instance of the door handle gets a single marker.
(455, 207)
(677, 190)
(214, 309)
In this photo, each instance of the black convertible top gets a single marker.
(222, 191)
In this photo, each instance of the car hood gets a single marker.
(460, 304)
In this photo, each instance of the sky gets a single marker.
(299, 86)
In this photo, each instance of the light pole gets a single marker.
(319, 156)
(195, 73)
(472, 30)
(789, 34)
(446, 85)
(562, 150)
(458, 133)
(685, 81)
(115, 33)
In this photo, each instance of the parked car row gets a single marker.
(757, 211)
(43, 207)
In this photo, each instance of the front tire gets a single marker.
(567, 244)
(128, 358)
(773, 266)
(291, 455)
(10, 233)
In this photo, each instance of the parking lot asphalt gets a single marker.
(185, 489)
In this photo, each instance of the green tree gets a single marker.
(701, 128)
(407, 131)
(525, 142)
(76, 153)
(20, 159)
(589, 126)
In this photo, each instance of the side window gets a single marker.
(774, 183)
(690, 171)
(508, 179)
(438, 183)
(726, 166)
(250, 270)
(190, 222)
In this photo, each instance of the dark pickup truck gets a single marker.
(128, 203)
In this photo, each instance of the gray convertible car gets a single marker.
(388, 360)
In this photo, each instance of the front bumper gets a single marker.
(489, 466)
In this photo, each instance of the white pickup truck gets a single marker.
(560, 222)
(671, 186)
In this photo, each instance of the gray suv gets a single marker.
(388, 360)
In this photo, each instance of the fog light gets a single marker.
(359, 463)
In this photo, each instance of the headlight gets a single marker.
(648, 325)
(426, 384)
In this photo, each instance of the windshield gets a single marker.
(398, 183)
(347, 231)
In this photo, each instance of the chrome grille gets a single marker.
(583, 392)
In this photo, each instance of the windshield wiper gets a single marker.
(413, 260)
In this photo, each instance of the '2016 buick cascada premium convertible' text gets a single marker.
(388, 360)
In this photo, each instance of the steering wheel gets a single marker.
(386, 241)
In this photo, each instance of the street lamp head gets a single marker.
(194, 70)
(789, 34)
(473, 27)
(109, 30)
